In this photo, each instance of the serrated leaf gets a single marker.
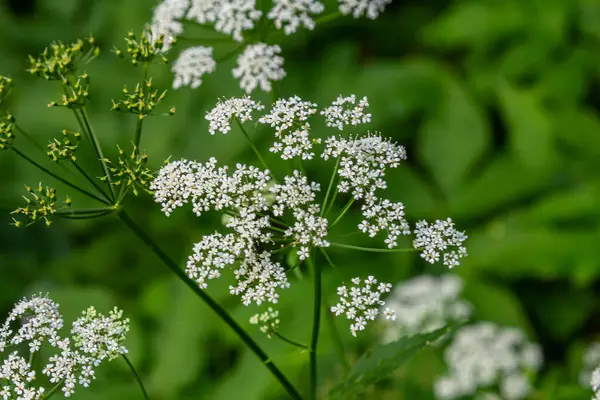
(382, 360)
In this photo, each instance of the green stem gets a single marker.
(138, 126)
(53, 390)
(31, 139)
(293, 343)
(375, 250)
(216, 307)
(328, 18)
(316, 326)
(331, 181)
(98, 150)
(330, 206)
(344, 210)
(137, 377)
(90, 180)
(262, 161)
(84, 211)
(232, 53)
(87, 216)
(52, 174)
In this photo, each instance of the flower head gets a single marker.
(268, 321)
(59, 60)
(440, 239)
(291, 14)
(258, 66)
(131, 170)
(485, 355)
(40, 205)
(239, 108)
(7, 131)
(65, 147)
(166, 21)
(362, 304)
(341, 113)
(145, 48)
(192, 64)
(358, 8)
(231, 17)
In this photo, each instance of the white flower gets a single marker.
(362, 304)
(591, 360)
(268, 321)
(240, 108)
(424, 304)
(288, 117)
(595, 383)
(230, 17)
(259, 65)
(384, 215)
(484, 356)
(363, 162)
(339, 114)
(358, 8)
(166, 20)
(291, 14)
(191, 65)
(440, 239)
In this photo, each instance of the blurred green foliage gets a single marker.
(497, 102)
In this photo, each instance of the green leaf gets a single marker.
(529, 125)
(454, 137)
(382, 360)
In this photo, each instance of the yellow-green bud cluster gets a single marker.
(40, 205)
(60, 59)
(64, 147)
(268, 321)
(141, 101)
(131, 171)
(76, 95)
(5, 87)
(145, 49)
(7, 131)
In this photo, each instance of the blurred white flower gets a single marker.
(291, 14)
(438, 239)
(258, 66)
(484, 356)
(590, 361)
(425, 303)
(191, 65)
(231, 17)
(166, 20)
(268, 321)
(362, 304)
(220, 116)
(341, 113)
(358, 8)
(595, 383)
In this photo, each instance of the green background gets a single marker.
(497, 103)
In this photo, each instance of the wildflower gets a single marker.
(6, 84)
(268, 321)
(362, 304)
(437, 238)
(142, 101)
(358, 8)
(166, 21)
(60, 59)
(7, 131)
(76, 94)
(259, 65)
(64, 149)
(363, 162)
(230, 17)
(291, 14)
(239, 108)
(40, 205)
(591, 359)
(595, 383)
(339, 114)
(191, 65)
(384, 215)
(131, 171)
(145, 49)
(424, 304)
(485, 355)
(288, 117)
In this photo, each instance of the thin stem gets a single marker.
(375, 250)
(83, 211)
(330, 206)
(335, 334)
(331, 181)
(344, 210)
(316, 326)
(98, 150)
(140, 120)
(232, 53)
(262, 161)
(87, 216)
(53, 390)
(31, 139)
(216, 307)
(328, 18)
(52, 174)
(137, 377)
(293, 343)
(90, 180)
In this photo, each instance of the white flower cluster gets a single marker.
(288, 118)
(591, 360)
(362, 304)
(268, 321)
(436, 239)
(248, 197)
(192, 64)
(291, 14)
(259, 64)
(424, 304)
(94, 339)
(595, 383)
(339, 114)
(485, 355)
(241, 108)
